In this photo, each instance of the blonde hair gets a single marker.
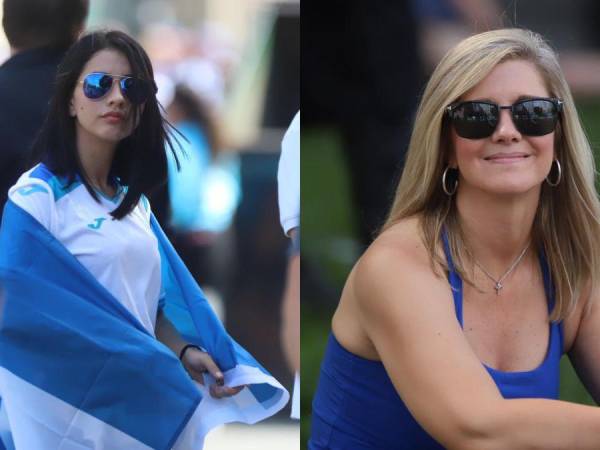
(566, 227)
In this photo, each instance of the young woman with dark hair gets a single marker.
(134, 143)
(89, 279)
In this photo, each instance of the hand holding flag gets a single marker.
(197, 363)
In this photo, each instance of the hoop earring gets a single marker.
(448, 192)
(555, 183)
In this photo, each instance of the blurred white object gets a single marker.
(295, 413)
(268, 436)
(204, 78)
(166, 89)
(288, 177)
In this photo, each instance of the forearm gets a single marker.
(290, 330)
(168, 334)
(531, 424)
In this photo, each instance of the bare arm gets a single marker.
(168, 334)
(408, 313)
(290, 311)
(195, 361)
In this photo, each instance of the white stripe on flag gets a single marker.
(5, 433)
(242, 407)
(295, 413)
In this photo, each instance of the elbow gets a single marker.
(471, 441)
(478, 430)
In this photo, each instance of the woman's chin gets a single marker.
(512, 189)
(112, 137)
(504, 186)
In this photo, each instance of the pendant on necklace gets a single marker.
(498, 287)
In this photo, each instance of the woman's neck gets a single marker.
(496, 228)
(96, 159)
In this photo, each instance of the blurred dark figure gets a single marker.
(361, 72)
(572, 29)
(194, 226)
(39, 32)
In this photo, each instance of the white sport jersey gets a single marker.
(121, 254)
(288, 177)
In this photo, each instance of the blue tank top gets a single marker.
(356, 407)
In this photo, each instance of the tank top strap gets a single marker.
(551, 296)
(454, 279)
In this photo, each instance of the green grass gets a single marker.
(328, 227)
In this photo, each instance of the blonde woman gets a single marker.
(451, 326)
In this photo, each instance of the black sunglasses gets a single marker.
(478, 119)
(97, 84)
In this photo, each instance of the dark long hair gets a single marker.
(140, 160)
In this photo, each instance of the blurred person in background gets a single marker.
(93, 290)
(451, 327)
(570, 27)
(39, 33)
(288, 181)
(245, 263)
(444, 23)
(204, 191)
(369, 74)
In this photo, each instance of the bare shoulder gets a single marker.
(399, 244)
(396, 256)
(392, 285)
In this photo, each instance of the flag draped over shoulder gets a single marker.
(78, 371)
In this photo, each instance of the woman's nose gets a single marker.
(115, 95)
(506, 131)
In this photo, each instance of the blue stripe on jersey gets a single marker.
(60, 185)
(28, 190)
(145, 202)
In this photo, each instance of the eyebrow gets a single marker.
(519, 98)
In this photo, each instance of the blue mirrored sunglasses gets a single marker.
(97, 84)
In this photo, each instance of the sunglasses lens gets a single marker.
(535, 117)
(474, 120)
(136, 90)
(96, 85)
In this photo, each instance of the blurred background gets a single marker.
(363, 70)
(228, 77)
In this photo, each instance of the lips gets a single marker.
(113, 116)
(507, 157)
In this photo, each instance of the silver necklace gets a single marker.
(498, 282)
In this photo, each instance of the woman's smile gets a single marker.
(507, 157)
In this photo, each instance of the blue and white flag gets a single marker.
(78, 371)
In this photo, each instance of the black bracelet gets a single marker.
(184, 349)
